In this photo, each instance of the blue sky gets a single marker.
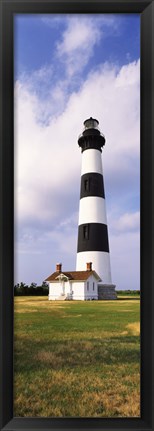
(67, 68)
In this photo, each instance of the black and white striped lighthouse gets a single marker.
(93, 242)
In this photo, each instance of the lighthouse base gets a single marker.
(106, 291)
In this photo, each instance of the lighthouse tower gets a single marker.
(93, 243)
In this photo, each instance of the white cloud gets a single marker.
(34, 79)
(127, 222)
(49, 96)
(79, 35)
(125, 260)
(78, 42)
(128, 75)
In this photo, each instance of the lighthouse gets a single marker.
(93, 241)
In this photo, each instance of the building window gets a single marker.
(93, 285)
(88, 285)
(85, 231)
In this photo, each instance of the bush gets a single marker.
(33, 290)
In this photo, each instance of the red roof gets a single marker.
(73, 275)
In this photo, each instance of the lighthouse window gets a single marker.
(86, 185)
(87, 285)
(93, 285)
(85, 232)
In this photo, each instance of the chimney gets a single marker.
(89, 266)
(58, 267)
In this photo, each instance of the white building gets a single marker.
(78, 285)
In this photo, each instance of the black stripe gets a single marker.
(92, 184)
(93, 237)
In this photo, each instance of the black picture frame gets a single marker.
(7, 10)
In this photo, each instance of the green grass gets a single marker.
(76, 359)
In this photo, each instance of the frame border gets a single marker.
(7, 10)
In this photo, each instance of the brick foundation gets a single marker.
(106, 291)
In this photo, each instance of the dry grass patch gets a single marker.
(134, 328)
(125, 311)
(120, 404)
(26, 310)
(48, 357)
(65, 394)
(70, 315)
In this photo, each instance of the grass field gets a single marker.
(76, 359)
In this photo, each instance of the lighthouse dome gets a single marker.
(91, 123)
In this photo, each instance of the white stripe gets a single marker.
(100, 263)
(92, 210)
(91, 161)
